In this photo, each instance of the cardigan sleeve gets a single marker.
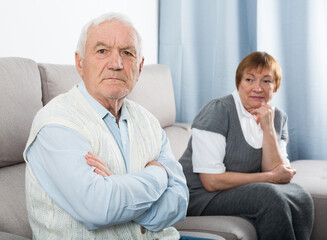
(57, 158)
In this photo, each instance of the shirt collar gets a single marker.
(239, 105)
(99, 108)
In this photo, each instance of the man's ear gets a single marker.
(79, 64)
(141, 66)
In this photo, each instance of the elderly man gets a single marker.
(138, 189)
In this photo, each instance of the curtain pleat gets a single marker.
(203, 42)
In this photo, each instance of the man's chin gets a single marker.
(113, 91)
(117, 95)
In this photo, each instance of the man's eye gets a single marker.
(102, 51)
(127, 53)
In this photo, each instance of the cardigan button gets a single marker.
(143, 229)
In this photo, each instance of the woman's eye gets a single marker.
(248, 79)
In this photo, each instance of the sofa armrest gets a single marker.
(178, 135)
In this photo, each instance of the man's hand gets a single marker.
(155, 163)
(101, 167)
(282, 174)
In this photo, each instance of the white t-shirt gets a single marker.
(209, 147)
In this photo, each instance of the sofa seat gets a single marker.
(26, 86)
(312, 175)
(228, 227)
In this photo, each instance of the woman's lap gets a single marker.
(251, 197)
(269, 207)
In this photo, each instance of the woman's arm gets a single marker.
(223, 181)
(208, 155)
(271, 156)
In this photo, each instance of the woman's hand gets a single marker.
(264, 115)
(101, 167)
(282, 174)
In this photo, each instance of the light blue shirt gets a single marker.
(149, 198)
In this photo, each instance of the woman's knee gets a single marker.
(270, 197)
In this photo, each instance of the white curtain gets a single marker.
(202, 41)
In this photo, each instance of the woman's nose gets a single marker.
(258, 87)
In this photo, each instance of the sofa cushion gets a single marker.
(199, 235)
(20, 99)
(8, 236)
(57, 79)
(312, 175)
(154, 91)
(12, 198)
(228, 227)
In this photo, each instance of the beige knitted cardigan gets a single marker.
(47, 219)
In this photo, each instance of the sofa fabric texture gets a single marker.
(56, 79)
(26, 86)
(20, 99)
(312, 175)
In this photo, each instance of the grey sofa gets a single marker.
(26, 86)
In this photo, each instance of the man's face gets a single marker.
(111, 65)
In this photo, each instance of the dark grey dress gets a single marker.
(278, 211)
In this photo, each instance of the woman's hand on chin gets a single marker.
(264, 115)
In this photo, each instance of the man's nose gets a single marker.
(115, 61)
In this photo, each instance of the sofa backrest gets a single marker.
(57, 79)
(154, 90)
(27, 86)
(20, 99)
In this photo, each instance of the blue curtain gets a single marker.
(203, 41)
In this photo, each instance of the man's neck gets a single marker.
(114, 107)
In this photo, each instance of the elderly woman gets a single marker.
(236, 161)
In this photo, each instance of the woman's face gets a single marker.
(256, 87)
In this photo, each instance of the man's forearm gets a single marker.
(171, 206)
(86, 196)
(131, 195)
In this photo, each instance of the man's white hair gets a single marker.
(80, 48)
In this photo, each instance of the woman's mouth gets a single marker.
(257, 98)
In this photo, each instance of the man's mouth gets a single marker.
(113, 79)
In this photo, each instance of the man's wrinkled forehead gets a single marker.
(109, 33)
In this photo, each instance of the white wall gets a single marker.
(47, 30)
